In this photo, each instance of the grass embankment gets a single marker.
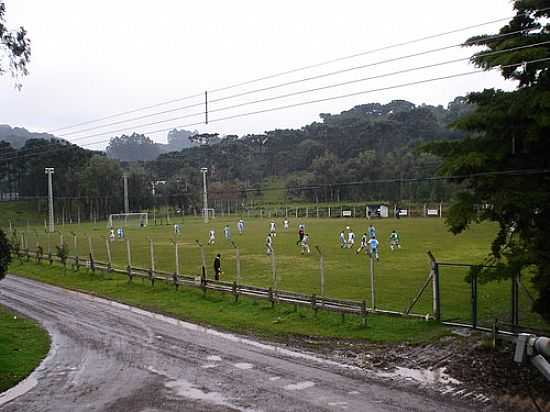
(23, 344)
(248, 316)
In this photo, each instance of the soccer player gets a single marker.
(364, 244)
(227, 232)
(217, 266)
(177, 229)
(351, 239)
(285, 224)
(394, 240)
(301, 232)
(211, 237)
(273, 229)
(269, 245)
(371, 231)
(111, 234)
(373, 243)
(240, 226)
(120, 233)
(305, 245)
(342, 240)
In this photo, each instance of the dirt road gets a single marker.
(110, 357)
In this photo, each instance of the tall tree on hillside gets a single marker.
(509, 131)
(16, 46)
(132, 148)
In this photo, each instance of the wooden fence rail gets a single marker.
(315, 302)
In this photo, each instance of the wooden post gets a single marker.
(372, 284)
(364, 312)
(307, 212)
(329, 212)
(109, 258)
(296, 213)
(440, 210)
(75, 243)
(317, 212)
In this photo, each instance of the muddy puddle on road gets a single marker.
(436, 379)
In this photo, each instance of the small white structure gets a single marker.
(378, 211)
(346, 213)
(125, 219)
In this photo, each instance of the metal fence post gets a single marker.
(372, 284)
(321, 270)
(91, 253)
(273, 272)
(129, 254)
(474, 300)
(109, 257)
(436, 302)
(515, 301)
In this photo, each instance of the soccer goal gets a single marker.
(128, 219)
(211, 213)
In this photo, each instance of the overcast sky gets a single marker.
(96, 58)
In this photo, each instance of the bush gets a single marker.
(5, 254)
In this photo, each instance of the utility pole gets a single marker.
(49, 172)
(204, 170)
(126, 203)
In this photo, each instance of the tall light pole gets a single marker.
(49, 172)
(204, 170)
(126, 203)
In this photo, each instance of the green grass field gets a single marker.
(399, 274)
(23, 344)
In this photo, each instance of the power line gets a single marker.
(452, 76)
(514, 172)
(316, 77)
(494, 53)
(302, 68)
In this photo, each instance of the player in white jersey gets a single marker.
(305, 245)
(364, 244)
(212, 237)
(351, 239)
(273, 229)
(177, 229)
(285, 225)
(111, 234)
(227, 232)
(342, 240)
(240, 226)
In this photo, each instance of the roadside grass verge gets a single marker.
(23, 344)
(248, 316)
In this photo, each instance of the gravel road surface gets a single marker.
(111, 357)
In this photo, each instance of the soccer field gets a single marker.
(399, 274)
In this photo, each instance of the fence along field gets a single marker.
(399, 274)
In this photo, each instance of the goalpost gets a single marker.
(125, 219)
(210, 213)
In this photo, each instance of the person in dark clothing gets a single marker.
(217, 266)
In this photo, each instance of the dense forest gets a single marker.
(339, 158)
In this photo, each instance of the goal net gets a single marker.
(211, 213)
(128, 219)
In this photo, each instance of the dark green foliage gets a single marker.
(5, 254)
(509, 131)
(16, 47)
